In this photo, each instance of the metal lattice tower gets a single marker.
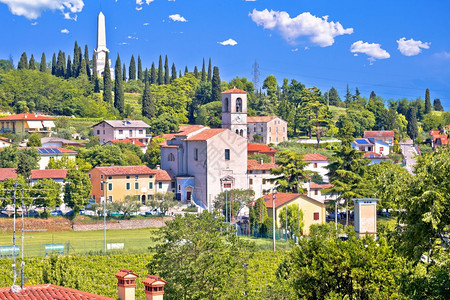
(255, 74)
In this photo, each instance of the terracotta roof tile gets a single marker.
(206, 134)
(183, 130)
(314, 156)
(281, 199)
(379, 133)
(6, 173)
(26, 117)
(234, 91)
(163, 175)
(251, 147)
(371, 154)
(126, 170)
(316, 186)
(253, 164)
(151, 279)
(127, 141)
(48, 292)
(260, 119)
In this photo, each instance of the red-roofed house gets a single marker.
(385, 136)
(57, 175)
(315, 191)
(47, 292)
(55, 153)
(259, 177)
(439, 138)
(261, 148)
(313, 210)
(317, 163)
(4, 142)
(267, 129)
(27, 123)
(375, 158)
(129, 141)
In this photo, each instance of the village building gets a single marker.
(371, 145)
(54, 141)
(260, 179)
(52, 153)
(375, 158)
(5, 142)
(382, 136)
(27, 123)
(135, 130)
(316, 191)
(267, 129)
(317, 163)
(261, 149)
(142, 146)
(314, 211)
(439, 138)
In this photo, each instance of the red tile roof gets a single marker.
(435, 132)
(368, 154)
(6, 173)
(380, 133)
(48, 292)
(151, 279)
(26, 117)
(314, 157)
(128, 141)
(253, 164)
(63, 150)
(316, 186)
(234, 91)
(183, 130)
(261, 119)
(125, 170)
(163, 175)
(281, 199)
(206, 134)
(259, 148)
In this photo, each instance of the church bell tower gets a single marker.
(234, 111)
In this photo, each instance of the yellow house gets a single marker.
(27, 123)
(313, 210)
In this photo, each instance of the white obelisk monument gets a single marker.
(100, 52)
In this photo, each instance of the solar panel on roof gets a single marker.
(361, 141)
(56, 150)
(43, 150)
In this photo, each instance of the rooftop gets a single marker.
(261, 119)
(163, 175)
(379, 133)
(314, 157)
(317, 186)
(253, 164)
(51, 150)
(283, 198)
(124, 123)
(26, 117)
(183, 130)
(234, 91)
(126, 170)
(6, 173)
(251, 147)
(127, 141)
(54, 139)
(374, 155)
(206, 134)
(48, 292)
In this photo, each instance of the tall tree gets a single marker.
(348, 96)
(119, 96)
(372, 95)
(69, 68)
(412, 128)
(216, 92)
(166, 71)
(47, 194)
(153, 76)
(160, 72)
(427, 101)
(186, 70)
(23, 62)
(203, 78)
(132, 69)
(83, 69)
(107, 84)
(140, 76)
(94, 76)
(291, 172)
(437, 105)
(54, 64)
(332, 97)
(346, 130)
(124, 73)
(86, 61)
(196, 74)
(271, 86)
(146, 75)
(32, 63)
(43, 65)
(76, 66)
(148, 105)
(77, 190)
(174, 72)
(209, 70)
(294, 220)
(260, 223)
(61, 64)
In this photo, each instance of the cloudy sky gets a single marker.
(396, 48)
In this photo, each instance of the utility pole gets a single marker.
(226, 206)
(104, 213)
(274, 196)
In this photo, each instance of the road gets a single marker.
(410, 153)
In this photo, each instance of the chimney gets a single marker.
(261, 161)
(126, 281)
(158, 167)
(154, 287)
(25, 116)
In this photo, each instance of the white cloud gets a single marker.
(32, 9)
(123, 43)
(319, 30)
(138, 8)
(146, 24)
(132, 37)
(34, 23)
(294, 50)
(442, 55)
(65, 31)
(411, 47)
(229, 42)
(177, 18)
(141, 2)
(373, 50)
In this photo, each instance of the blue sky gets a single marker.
(396, 48)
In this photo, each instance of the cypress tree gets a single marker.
(427, 101)
(119, 96)
(216, 90)
(76, 59)
(146, 74)
(132, 69)
(124, 73)
(69, 68)
(153, 78)
(179, 74)
(196, 72)
(348, 96)
(83, 69)
(23, 62)
(54, 64)
(160, 79)
(412, 128)
(60, 65)
(209, 70)
(148, 106)
(203, 71)
(86, 61)
(139, 74)
(166, 71)
(372, 95)
(107, 96)
(32, 64)
(174, 72)
(43, 66)
(94, 77)
(437, 105)
(186, 70)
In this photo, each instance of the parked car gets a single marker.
(32, 213)
(116, 213)
(55, 213)
(153, 212)
(385, 214)
(89, 213)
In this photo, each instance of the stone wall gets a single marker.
(123, 224)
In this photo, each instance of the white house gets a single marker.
(383, 136)
(122, 130)
(46, 153)
(260, 180)
(317, 163)
(371, 145)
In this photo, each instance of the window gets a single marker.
(120, 131)
(101, 186)
(160, 185)
(101, 176)
(263, 181)
(171, 157)
(109, 186)
(250, 172)
(136, 177)
(227, 185)
(150, 185)
(238, 105)
(128, 186)
(195, 154)
(130, 132)
(250, 181)
(241, 133)
(227, 154)
(103, 132)
(316, 192)
(173, 184)
(98, 131)
(136, 185)
(381, 149)
(89, 176)
(128, 177)
(315, 165)
(270, 129)
(141, 131)
(316, 216)
(110, 177)
(225, 109)
(150, 176)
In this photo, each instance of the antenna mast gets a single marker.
(255, 73)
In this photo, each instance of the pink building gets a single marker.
(122, 130)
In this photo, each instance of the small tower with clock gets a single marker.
(234, 111)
